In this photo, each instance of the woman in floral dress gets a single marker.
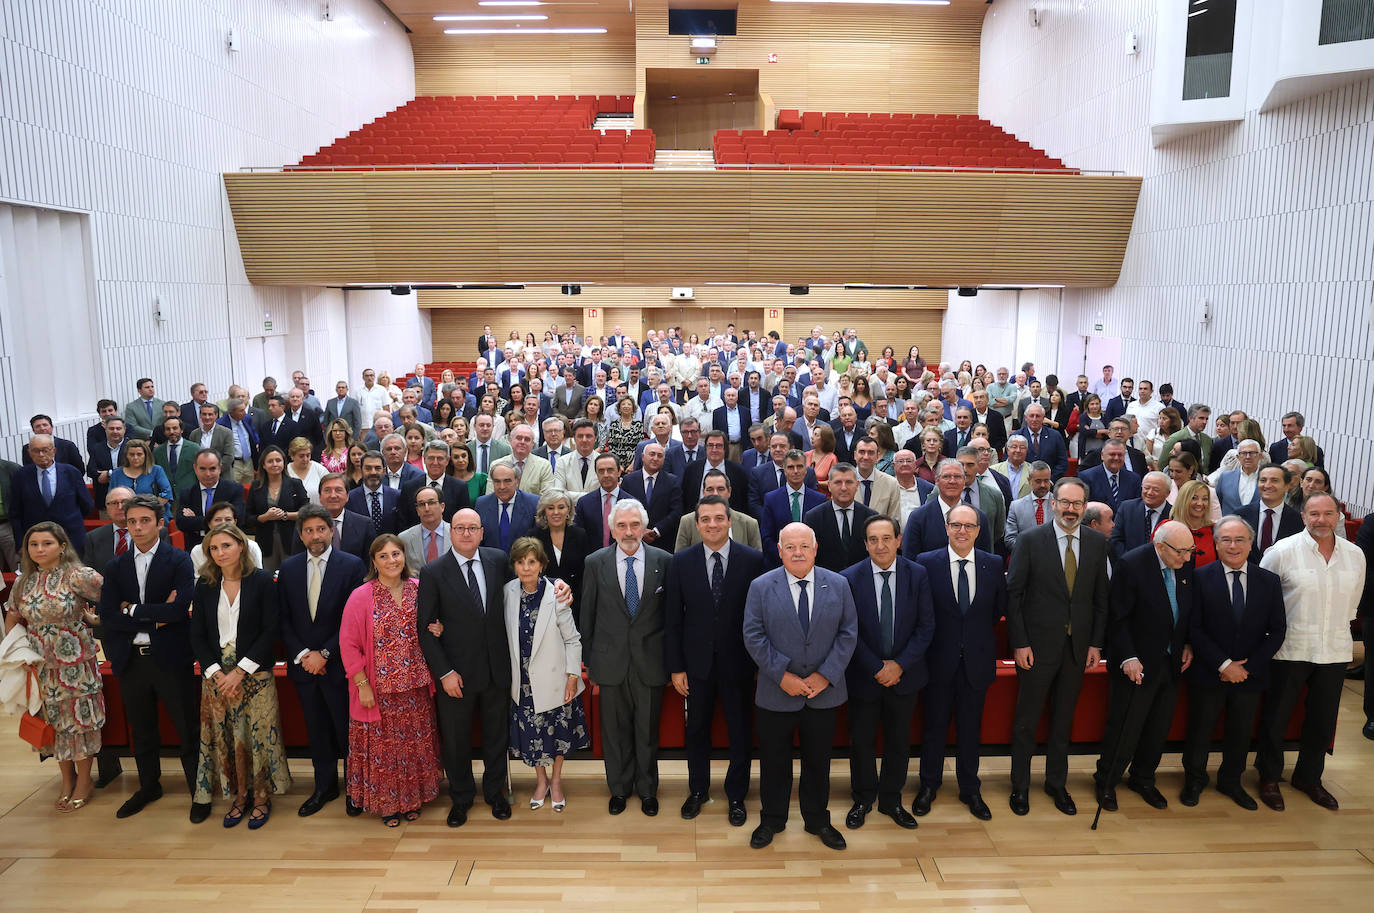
(55, 599)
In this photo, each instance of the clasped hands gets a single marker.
(808, 687)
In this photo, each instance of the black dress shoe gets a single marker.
(138, 801)
(1019, 802)
(316, 802)
(353, 810)
(617, 805)
(1152, 796)
(1368, 731)
(832, 838)
(900, 816)
(737, 815)
(649, 806)
(106, 777)
(1238, 795)
(500, 810)
(1106, 795)
(1192, 794)
(1270, 795)
(692, 806)
(1062, 800)
(855, 819)
(977, 807)
(762, 836)
(920, 806)
(200, 811)
(1317, 793)
(457, 817)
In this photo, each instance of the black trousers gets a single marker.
(491, 706)
(1205, 706)
(324, 703)
(1324, 682)
(1369, 667)
(817, 729)
(630, 713)
(1058, 683)
(893, 712)
(958, 699)
(144, 683)
(1138, 720)
(736, 699)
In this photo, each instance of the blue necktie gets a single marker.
(505, 527)
(1237, 596)
(964, 600)
(376, 511)
(1171, 587)
(717, 579)
(209, 498)
(804, 609)
(868, 492)
(886, 614)
(631, 587)
(1116, 488)
(45, 484)
(148, 407)
(649, 490)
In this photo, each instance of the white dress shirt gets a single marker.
(711, 562)
(1061, 538)
(795, 590)
(141, 562)
(1244, 588)
(477, 570)
(227, 613)
(1319, 597)
(954, 560)
(620, 559)
(1245, 486)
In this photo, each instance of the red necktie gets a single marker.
(432, 551)
(1039, 511)
(1267, 530)
(122, 545)
(606, 519)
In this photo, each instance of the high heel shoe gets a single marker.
(558, 804)
(537, 800)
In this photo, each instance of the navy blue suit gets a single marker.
(665, 508)
(962, 661)
(763, 478)
(1287, 522)
(1100, 488)
(925, 530)
(521, 518)
(1129, 531)
(67, 452)
(777, 513)
(587, 514)
(360, 502)
(71, 501)
(1052, 449)
(193, 527)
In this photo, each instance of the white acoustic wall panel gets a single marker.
(1268, 219)
(128, 112)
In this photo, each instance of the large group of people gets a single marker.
(776, 528)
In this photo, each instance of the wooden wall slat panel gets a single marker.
(498, 65)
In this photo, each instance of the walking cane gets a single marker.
(1116, 752)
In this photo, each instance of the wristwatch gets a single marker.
(324, 653)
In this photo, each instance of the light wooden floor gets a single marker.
(1215, 857)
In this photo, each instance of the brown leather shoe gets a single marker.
(1317, 793)
(1269, 794)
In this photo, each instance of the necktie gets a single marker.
(1070, 564)
(1267, 530)
(968, 496)
(209, 498)
(885, 614)
(631, 587)
(432, 550)
(377, 510)
(474, 587)
(868, 492)
(45, 484)
(584, 470)
(804, 609)
(1035, 439)
(606, 519)
(796, 507)
(485, 457)
(1039, 511)
(338, 533)
(964, 600)
(172, 458)
(1116, 490)
(148, 407)
(122, 544)
(1171, 587)
(434, 483)
(1237, 596)
(717, 579)
(1149, 522)
(781, 477)
(505, 526)
(312, 587)
(691, 455)
(553, 459)
(276, 423)
(845, 530)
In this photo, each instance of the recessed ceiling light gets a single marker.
(494, 17)
(510, 3)
(884, 2)
(534, 31)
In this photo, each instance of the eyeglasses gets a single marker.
(1233, 540)
(467, 530)
(1181, 551)
(961, 527)
(1073, 505)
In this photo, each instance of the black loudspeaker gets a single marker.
(572, 289)
(799, 290)
(967, 292)
(400, 290)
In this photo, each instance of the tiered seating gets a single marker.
(524, 130)
(903, 140)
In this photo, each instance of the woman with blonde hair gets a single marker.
(1193, 508)
(338, 437)
(304, 468)
(384, 381)
(821, 457)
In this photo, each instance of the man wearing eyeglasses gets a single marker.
(1056, 624)
(1149, 650)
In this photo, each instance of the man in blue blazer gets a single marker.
(895, 622)
(771, 474)
(426, 385)
(1044, 443)
(757, 453)
(587, 513)
(1270, 515)
(144, 629)
(663, 500)
(788, 504)
(703, 646)
(925, 527)
(674, 457)
(1229, 482)
(507, 513)
(1113, 467)
(969, 593)
(67, 451)
(800, 628)
(210, 488)
(1237, 626)
(48, 490)
(1138, 518)
(311, 635)
(379, 503)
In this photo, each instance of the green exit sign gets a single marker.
(703, 60)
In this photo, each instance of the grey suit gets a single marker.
(221, 442)
(1021, 517)
(568, 407)
(350, 412)
(624, 656)
(743, 529)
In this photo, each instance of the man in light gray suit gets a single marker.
(144, 414)
(743, 528)
(1034, 509)
(345, 407)
(800, 627)
(622, 625)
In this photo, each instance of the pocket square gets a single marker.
(657, 591)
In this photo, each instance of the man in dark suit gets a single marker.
(887, 671)
(705, 654)
(1223, 443)
(353, 532)
(983, 414)
(1137, 519)
(925, 527)
(593, 508)
(177, 457)
(1148, 651)
(1056, 624)
(210, 488)
(567, 399)
(307, 419)
(732, 420)
(961, 433)
(770, 474)
(376, 501)
(425, 385)
(105, 457)
(623, 590)
(1238, 623)
(1111, 482)
(345, 407)
(839, 522)
(800, 628)
(144, 614)
(1118, 404)
(1270, 515)
(507, 513)
(67, 451)
(969, 594)
(661, 494)
(470, 662)
(1292, 424)
(1044, 443)
(95, 434)
(715, 459)
(847, 431)
(313, 586)
(1118, 429)
(48, 490)
(452, 491)
(788, 504)
(277, 428)
(189, 412)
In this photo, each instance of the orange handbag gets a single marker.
(35, 730)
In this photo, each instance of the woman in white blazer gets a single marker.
(547, 720)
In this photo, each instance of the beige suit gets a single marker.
(555, 653)
(535, 477)
(887, 495)
(1025, 487)
(743, 529)
(568, 475)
